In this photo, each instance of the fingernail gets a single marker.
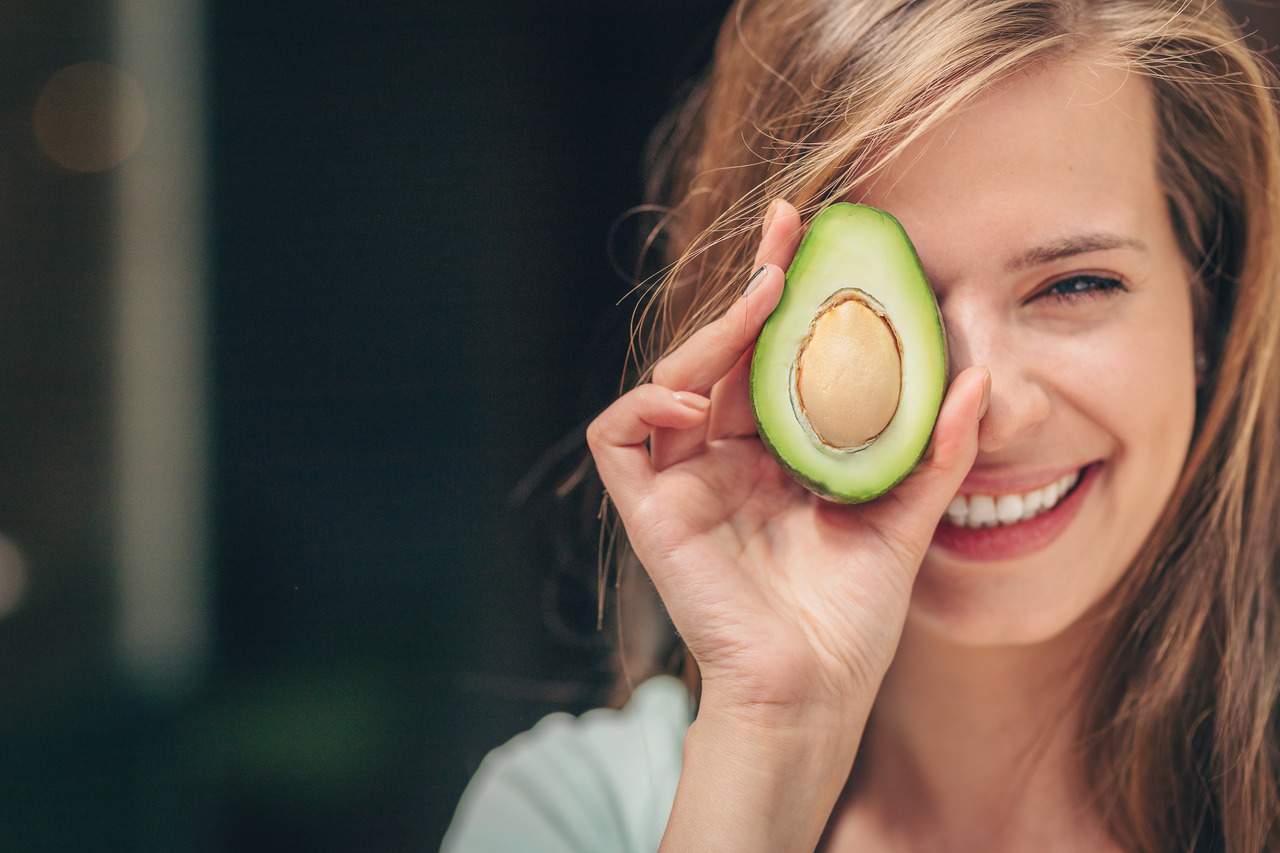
(693, 401)
(768, 216)
(756, 277)
(986, 394)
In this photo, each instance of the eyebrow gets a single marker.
(1077, 244)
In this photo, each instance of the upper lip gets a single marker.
(995, 481)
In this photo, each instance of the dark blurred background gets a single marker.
(296, 299)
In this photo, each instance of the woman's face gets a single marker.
(1047, 178)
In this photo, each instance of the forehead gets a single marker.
(1064, 147)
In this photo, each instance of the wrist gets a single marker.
(760, 781)
(806, 705)
(777, 735)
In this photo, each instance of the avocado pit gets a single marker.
(848, 371)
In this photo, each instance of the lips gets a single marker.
(1016, 540)
(996, 482)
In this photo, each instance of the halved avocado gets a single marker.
(850, 368)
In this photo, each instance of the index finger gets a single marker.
(712, 351)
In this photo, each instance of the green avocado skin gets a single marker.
(859, 246)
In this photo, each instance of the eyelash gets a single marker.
(1103, 287)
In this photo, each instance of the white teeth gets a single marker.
(982, 511)
(1032, 503)
(1008, 508)
(988, 510)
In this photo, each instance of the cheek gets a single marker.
(1140, 399)
(1138, 381)
(1123, 390)
(1130, 381)
(1127, 371)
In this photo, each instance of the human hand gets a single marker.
(786, 601)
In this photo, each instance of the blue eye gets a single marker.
(1082, 287)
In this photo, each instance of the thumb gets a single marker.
(934, 482)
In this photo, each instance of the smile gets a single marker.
(985, 527)
(979, 510)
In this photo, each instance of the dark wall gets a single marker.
(413, 301)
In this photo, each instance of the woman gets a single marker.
(1092, 188)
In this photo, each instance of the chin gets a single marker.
(1000, 607)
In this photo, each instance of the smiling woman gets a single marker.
(1066, 369)
(1061, 632)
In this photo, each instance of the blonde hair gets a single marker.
(809, 100)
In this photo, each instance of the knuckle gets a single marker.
(730, 331)
(595, 429)
(662, 373)
(646, 396)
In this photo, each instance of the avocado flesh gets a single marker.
(862, 251)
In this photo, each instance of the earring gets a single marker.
(1202, 364)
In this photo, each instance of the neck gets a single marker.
(972, 748)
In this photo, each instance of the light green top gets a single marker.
(600, 782)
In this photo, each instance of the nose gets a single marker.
(1019, 399)
(1018, 405)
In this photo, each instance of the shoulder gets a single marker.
(603, 780)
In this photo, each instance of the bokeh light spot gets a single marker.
(90, 116)
(13, 576)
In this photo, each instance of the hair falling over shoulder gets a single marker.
(809, 100)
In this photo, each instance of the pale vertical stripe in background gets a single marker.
(161, 362)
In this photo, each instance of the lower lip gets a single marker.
(1015, 540)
